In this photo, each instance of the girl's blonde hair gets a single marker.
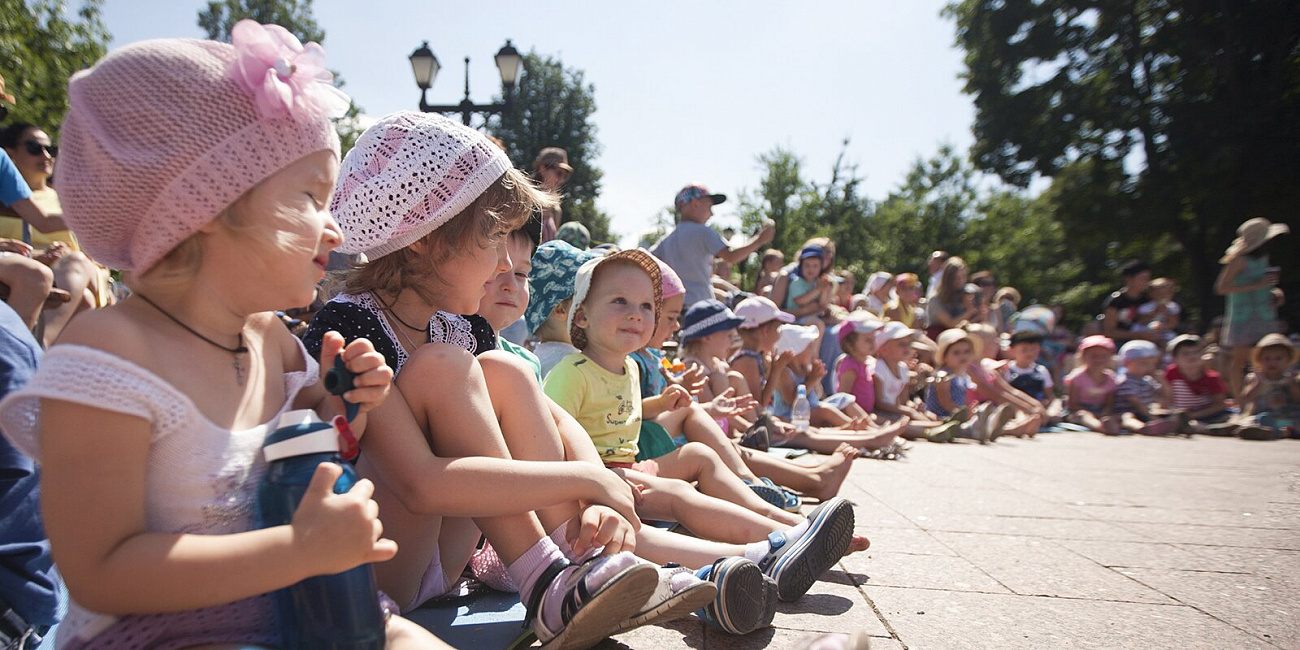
(503, 207)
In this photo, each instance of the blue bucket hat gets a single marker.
(555, 267)
(811, 250)
(706, 317)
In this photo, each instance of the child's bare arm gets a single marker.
(943, 390)
(846, 381)
(673, 398)
(94, 492)
(1072, 398)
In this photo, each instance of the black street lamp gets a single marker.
(425, 66)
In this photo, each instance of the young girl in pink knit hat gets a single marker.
(202, 170)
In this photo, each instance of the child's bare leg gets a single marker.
(426, 370)
(698, 462)
(694, 422)
(829, 416)
(821, 481)
(661, 547)
(527, 428)
(1087, 419)
(1130, 422)
(711, 518)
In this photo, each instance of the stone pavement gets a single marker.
(1069, 541)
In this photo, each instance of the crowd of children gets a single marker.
(634, 457)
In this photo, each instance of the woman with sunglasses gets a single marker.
(52, 243)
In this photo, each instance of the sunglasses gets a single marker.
(35, 148)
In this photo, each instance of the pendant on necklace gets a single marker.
(240, 377)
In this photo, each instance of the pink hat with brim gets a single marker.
(757, 310)
(163, 135)
(1096, 341)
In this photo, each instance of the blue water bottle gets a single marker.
(333, 612)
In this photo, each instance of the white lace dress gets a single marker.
(201, 478)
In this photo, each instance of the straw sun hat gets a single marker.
(1251, 235)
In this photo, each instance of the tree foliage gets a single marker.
(1169, 121)
(41, 46)
(553, 106)
(294, 15)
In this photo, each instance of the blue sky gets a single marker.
(685, 91)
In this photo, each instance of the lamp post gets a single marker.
(425, 66)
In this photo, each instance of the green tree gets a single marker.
(41, 46)
(1185, 110)
(928, 211)
(294, 15)
(553, 106)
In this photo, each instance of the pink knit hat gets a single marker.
(407, 175)
(672, 283)
(164, 135)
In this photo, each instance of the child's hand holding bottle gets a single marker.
(337, 532)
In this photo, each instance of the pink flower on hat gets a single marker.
(282, 74)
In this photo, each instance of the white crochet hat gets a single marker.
(407, 175)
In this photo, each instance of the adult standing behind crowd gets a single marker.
(1247, 281)
(1120, 310)
(690, 248)
(552, 170)
(33, 154)
(935, 265)
(951, 305)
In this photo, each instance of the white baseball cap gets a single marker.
(795, 338)
(891, 331)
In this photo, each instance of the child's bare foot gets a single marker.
(831, 473)
(858, 543)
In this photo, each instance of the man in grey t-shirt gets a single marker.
(690, 248)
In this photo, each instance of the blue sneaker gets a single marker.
(795, 566)
(746, 598)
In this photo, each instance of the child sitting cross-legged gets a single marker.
(1139, 393)
(1197, 394)
(1271, 394)
(616, 304)
(1091, 400)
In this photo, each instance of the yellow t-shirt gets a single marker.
(48, 201)
(606, 404)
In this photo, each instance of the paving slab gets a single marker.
(1267, 606)
(921, 572)
(956, 620)
(1067, 541)
(1039, 567)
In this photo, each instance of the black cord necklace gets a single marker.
(389, 308)
(237, 351)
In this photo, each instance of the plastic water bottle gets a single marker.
(801, 410)
(334, 611)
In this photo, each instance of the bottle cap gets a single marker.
(300, 433)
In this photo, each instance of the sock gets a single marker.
(525, 571)
(601, 572)
(756, 551)
(561, 538)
